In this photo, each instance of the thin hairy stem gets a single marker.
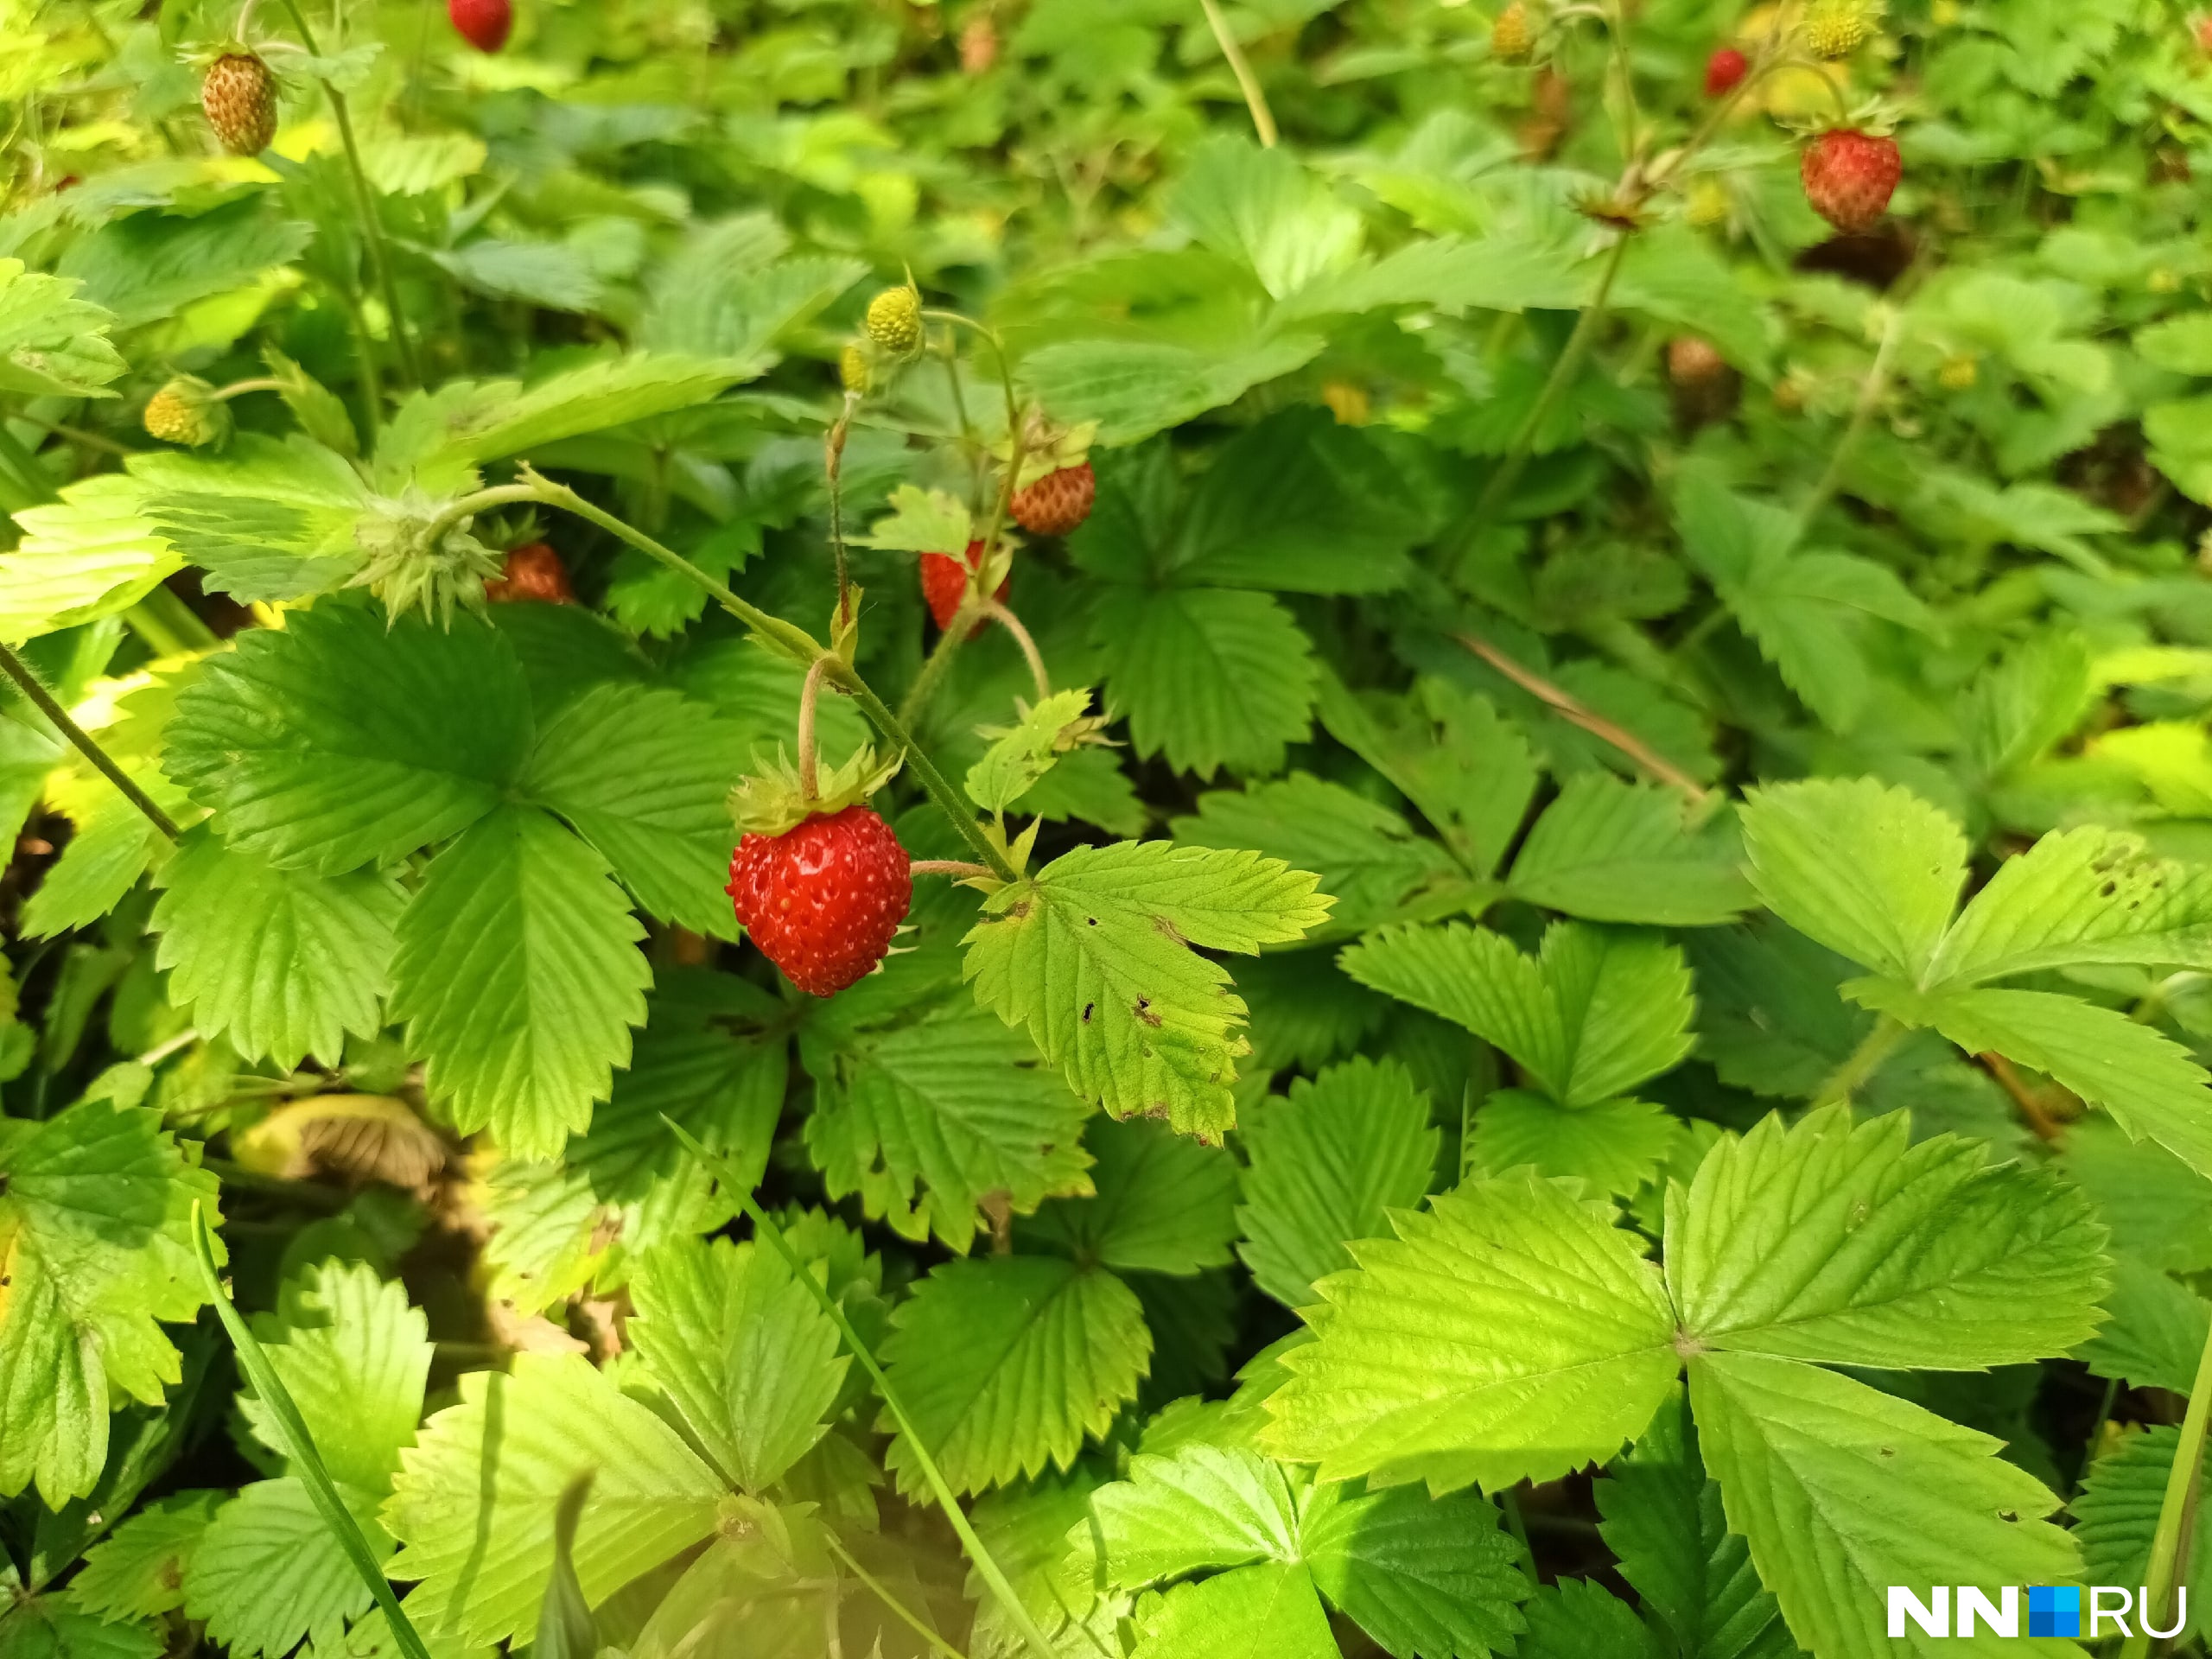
(28, 682)
(1573, 709)
(1006, 620)
(898, 1608)
(1871, 392)
(938, 662)
(833, 459)
(1862, 1062)
(810, 694)
(944, 867)
(1264, 119)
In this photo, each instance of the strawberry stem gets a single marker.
(1006, 620)
(958, 866)
(833, 458)
(43, 700)
(1264, 119)
(809, 782)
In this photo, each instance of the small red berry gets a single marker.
(2204, 34)
(823, 901)
(1723, 72)
(945, 584)
(1057, 503)
(483, 23)
(1850, 175)
(533, 571)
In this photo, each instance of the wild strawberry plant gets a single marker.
(1125, 827)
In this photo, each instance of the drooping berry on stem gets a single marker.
(1850, 175)
(532, 571)
(483, 23)
(945, 584)
(1057, 504)
(238, 96)
(1723, 72)
(823, 901)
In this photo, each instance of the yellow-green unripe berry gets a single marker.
(853, 370)
(187, 411)
(894, 320)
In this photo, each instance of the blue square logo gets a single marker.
(2054, 1610)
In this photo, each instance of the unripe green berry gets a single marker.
(187, 411)
(894, 320)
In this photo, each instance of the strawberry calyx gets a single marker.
(771, 801)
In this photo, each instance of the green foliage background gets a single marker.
(1607, 1059)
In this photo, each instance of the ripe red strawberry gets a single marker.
(1057, 502)
(1723, 72)
(822, 901)
(239, 96)
(483, 23)
(533, 571)
(945, 583)
(2204, 33)
(1849, 176)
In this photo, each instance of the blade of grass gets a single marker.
(299, 1447)
(986, 1564)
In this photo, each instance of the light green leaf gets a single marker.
(138, 1570)
(1006, 1363)
(264, 519)
(1133, 388)
(2183, 343)
(282, 963)
(2155, 1330)
(1846, 1244)
(1025, 752)
(473, 1505)
(1092, 955)
(1267, 1611)
(2116, 1514)
(339, 740)
(927, 1120)
(747, 1354)
(1614, 1145)
(1579, 1619)
(47, 1627)
(1512, 1332)
(1868, 870)
(1594, 1014)
(1264, 209)
(1207, 677)
(270, 1572)
(52, 343)
(95, 1206)
(1205, 1507)
(2020, 707)
(1612, 851)
(93, 553)
(354, 1356)
(922, 521)
(1325, 1165)
(1425, 1576)
(2159, 1209)
(643, 774)
(1368, 857)
(148, 267)
(465, 423)
(549, 274)
(1841, 1491)
(115, 844)
(518, 979)
(1161, 1204)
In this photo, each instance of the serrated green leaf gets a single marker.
(115, 844)
(95, 1205)
(2116, 1514)
(929, 1119)
(1162, 1203)
(643, 775)
(1663, 1521)
(1264, 208)
(52, 343)
(1579, 1619)
(282, 963)
(2159, 1209)
(146, 267)
(1206, 1506)
(264, 520)
(1424, 1576)
(472, 1507)
(1512, 1333)
(1207, 677)
(138, 1570)
(1844, 1243)
(1368, 857)
(338, 741)
(1269, 1611)
(270, 1572)
(1005, 1363)
(1133, 388)
(1093, 955)
(1612, 851)
(93, 553)
(1871, 871)
(1770, 1018)
(1594, 1014)
(1841, 1491)
(2022, 705)
(1014, 762)
(518, 980)
(747, 1354)
(1614, 1145)
(923, 521)
(2154, 1331)
(1325, 1165)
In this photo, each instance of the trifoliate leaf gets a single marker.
(1612, 851)
(1018, 758)
(1160, 1203)
(1368, 857)
(1007, 1362)
(1093, 955)
(518, 979)
(1866, 869)
(2116, 1514)
(95, 1207)
(354, 1356)
(923, 521)
(928, 1121)
(1207, 677)
(472, 1507)
(1663, 1522)
(1841, 1491)
(643, 775)
(138, 1570)
(52, 343)
(1595, 1013)
(2154, 1330)
(337, 740)
(1512, 1333)
(270, 1572)
(2085, 896)
(743, 1348)
(93, 553)
(1845, 1244)
(1325, 1164)
(280, 963)
(1615, 1146)
(1271, 1610)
